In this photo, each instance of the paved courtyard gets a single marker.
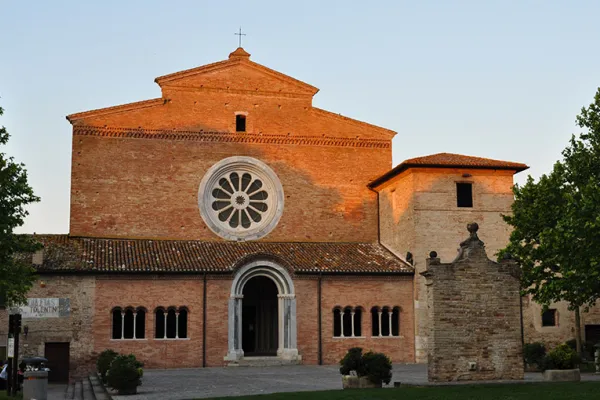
(185, 384)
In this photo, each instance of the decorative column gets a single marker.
(342, 312)
(234, 339)
(176, 324)
(166, 314)
(380, 326)
(287, 328)
(134, 324)
(352, 320)
(390, 319)
(122, 325)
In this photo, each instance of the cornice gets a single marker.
(228, 137)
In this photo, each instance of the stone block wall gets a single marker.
(474, 311)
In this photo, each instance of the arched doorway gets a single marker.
(267, 282)
(259, 317)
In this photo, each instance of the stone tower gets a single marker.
(425, 203)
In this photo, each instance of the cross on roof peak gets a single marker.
(240, 34)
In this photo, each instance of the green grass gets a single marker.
(526, 391)
(3, 396)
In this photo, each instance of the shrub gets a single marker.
(352, 361)
(562, 357)
(103, 363)
(533, 353)
(125, 374)
(378, 367)
(572, 343)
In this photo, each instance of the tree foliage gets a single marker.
(556, 222)
(16, 273)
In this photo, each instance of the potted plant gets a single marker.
(125, 374)
(367, 370)
(103, 363)
(562, 365)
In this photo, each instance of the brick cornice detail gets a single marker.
(250, 138)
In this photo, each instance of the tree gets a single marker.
(556, 224)
(16, 272)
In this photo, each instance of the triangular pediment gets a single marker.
(237, 73)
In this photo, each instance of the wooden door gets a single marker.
(58, 362)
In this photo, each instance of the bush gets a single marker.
(377, 367)
(125, 374)
(352, 361)
(103, 363)
(572, 343)
(562, 357)
(534, 353)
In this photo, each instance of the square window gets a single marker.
(464, 194)
(240, 123)
(549, 317)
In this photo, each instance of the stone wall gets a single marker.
(474, 309)
(76, 329)
(418, 213)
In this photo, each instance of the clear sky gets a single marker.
(498, 79)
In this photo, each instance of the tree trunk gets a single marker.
(578, 331)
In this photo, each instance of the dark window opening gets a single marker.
(396, 322)
(183, 316)
(347, 321)
(140, 324)
(357, 322)
(116, 332)
(464, 195)
(549, 317)
(160, 324)
(171, 324)
(385, 322)
(374, 321)
(337, 323)
(128, 321)
(240, 123)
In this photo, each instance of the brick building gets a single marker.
(230, 219)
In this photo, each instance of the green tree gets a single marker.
(556, 224)
(16, 272)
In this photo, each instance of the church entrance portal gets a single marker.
(259, 317)
(262, 313)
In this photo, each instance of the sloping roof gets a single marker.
(449, 160)
(63, 253)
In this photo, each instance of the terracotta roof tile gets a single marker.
(79, 254)
(449, 160)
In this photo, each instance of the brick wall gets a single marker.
(475, 317)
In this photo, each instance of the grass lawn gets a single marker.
(526, 391)
(3, 396)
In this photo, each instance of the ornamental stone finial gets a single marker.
(473, 227)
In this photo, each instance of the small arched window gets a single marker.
(128, 323)
(159, 326)
(172, 323)
(347, 322)
(385, 321)
(182, 323)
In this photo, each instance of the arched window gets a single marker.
(337, 323)
(117, 323)
(375, 321)
(171, 324)
(128, 323)
(159, 327)
(182, 323)
(385, 321)
(347, 322)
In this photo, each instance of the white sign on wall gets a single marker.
(50, 307)
(11, 348)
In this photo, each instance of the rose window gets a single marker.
(241, 198)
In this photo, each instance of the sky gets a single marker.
(496, 79)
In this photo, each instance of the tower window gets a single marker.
(549, 317)
(240, 123)
(464, 195)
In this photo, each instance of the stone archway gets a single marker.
(286, 309)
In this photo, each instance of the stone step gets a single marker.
(78, 393)
(97, 387)
(88, 393)
(70, 393)
(262, 362)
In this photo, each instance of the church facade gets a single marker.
(230, 221)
